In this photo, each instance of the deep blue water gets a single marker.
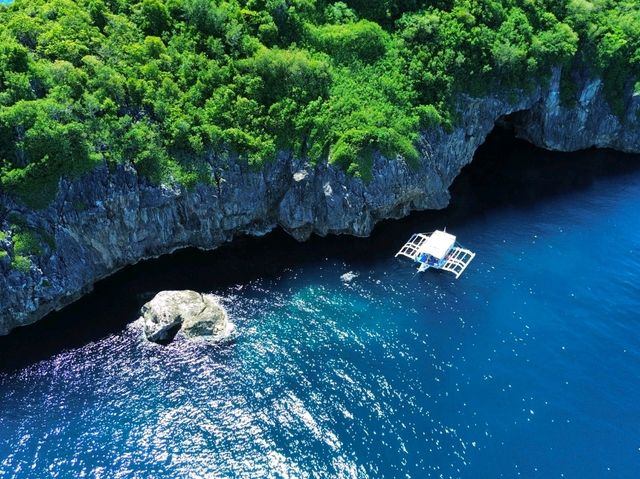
(527, 366)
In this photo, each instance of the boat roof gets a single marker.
(438, 244)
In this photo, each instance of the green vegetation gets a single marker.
(170, 85)
(21, 263)
(27, 241)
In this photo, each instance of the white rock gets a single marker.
(196, 314)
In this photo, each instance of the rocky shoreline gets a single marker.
(110, 219)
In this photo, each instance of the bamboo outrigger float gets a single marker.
(437, 250)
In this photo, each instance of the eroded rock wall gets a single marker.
(111, 219)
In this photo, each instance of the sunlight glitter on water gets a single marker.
(350, 365)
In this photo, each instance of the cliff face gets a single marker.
(586, 124)
(110, 219)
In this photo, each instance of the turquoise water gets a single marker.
(527, 366)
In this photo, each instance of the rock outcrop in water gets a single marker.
(195, 314)
(111, 219)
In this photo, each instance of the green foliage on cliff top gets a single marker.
(169, 84)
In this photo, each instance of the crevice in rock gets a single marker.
(170, 335)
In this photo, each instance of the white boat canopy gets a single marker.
(438, 244)
(437, 250)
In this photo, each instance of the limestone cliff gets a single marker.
(110, 219)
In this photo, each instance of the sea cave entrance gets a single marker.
(508, 171)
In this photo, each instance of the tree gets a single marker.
(153, 16)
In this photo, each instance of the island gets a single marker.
(130, 129)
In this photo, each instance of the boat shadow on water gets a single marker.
(506, 173)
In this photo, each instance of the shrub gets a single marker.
(21, 263)
(363, 40)
(26, 243)
(292, 74)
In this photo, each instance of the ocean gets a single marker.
(346, 363)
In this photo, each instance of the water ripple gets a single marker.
(516, 369)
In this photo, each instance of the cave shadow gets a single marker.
(506, 173)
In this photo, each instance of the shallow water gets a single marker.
(528, 365)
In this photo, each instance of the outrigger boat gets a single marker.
(437, 250)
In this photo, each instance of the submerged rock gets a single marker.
(193, 313)
(349, 276)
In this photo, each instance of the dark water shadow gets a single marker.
(505, 173)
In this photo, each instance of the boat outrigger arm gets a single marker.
(437, 250)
